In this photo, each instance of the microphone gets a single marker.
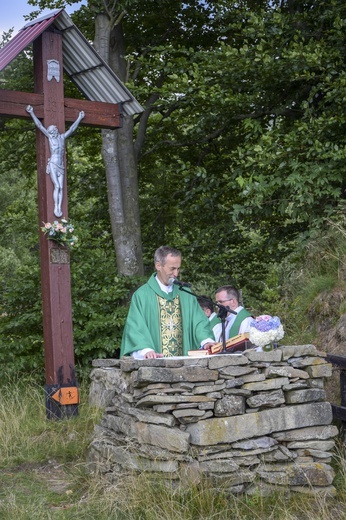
(231, 311)
(175, 281)
(224, 310)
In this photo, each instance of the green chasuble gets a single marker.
(143, 326)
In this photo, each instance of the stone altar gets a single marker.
(253, 422)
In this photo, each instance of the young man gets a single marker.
(162, 319)
(228, 296)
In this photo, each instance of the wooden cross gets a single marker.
(50, 106)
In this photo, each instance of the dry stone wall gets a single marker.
(251, 422)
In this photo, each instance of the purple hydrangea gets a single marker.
(265, 323)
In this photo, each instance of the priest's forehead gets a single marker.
(162, 252)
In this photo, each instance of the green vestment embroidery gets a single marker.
(171, 327)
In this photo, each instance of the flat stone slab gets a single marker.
(152, 400)
(145, 375)
(230, 429)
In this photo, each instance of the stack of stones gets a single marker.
(253, 422)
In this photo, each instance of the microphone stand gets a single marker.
(222, 314)
(223, 311)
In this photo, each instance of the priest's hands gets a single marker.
(207, 345)
(152, 355)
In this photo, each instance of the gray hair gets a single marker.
(163, 251)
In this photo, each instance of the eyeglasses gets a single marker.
(220, 302)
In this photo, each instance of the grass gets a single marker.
(313, 282)
(43, 475)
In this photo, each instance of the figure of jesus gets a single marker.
(56, 164)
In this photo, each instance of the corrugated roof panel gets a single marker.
(81, 62)
(89, 71)
(24, 37)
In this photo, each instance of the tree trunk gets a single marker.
(120, 162)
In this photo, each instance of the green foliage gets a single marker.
(99, 306)
(251, 143)
(20, 299)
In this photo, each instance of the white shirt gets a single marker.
(244, 326)
(164, 288)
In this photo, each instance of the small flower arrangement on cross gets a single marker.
(61, 232)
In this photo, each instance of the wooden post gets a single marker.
(55, 260)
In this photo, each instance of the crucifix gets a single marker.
(56, 166)
(47, 104)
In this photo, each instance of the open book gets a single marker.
(238, 343)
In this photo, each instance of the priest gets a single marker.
(164, 320)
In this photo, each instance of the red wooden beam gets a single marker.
(97, 113)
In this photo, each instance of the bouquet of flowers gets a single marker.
(60, 232)
(264, 330)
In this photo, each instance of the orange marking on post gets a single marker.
(67, 395)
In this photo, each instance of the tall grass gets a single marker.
(43, 475)
(310, 279)
(25, 434)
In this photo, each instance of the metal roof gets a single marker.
(81, 62)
